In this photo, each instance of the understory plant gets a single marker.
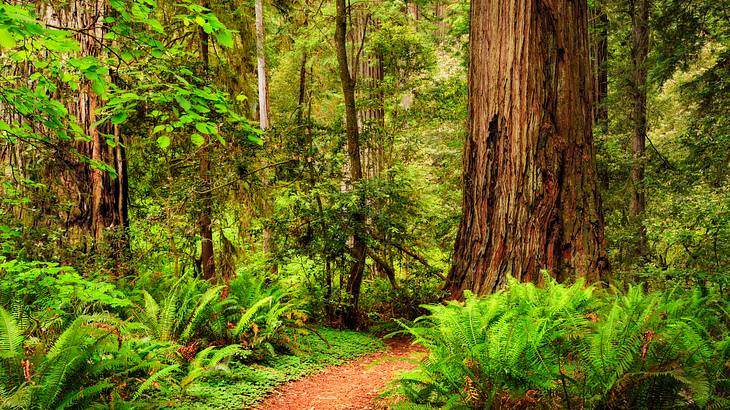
(573, 347)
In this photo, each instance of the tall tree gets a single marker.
(263, 80)
(366, 67)
(100, 196)
(530, 198)
(263, 91)
(207, 256)
(639, 54)
(354, 280)
(599, 61)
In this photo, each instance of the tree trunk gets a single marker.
(530, 199)
(263, 89)
(261, 66)
(440, 13)
(639, 53)
(599, 61)
(353, 149)
(413, 9)
(207, 256)
(100, 198)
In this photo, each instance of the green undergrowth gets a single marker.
(243, 385)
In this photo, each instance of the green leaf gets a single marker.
(163, 141)
(6, 39)
(205, 128)
(255, 139)
(119, 118)
(224, 38)
(184, 103)
(197, 139)
(200, 20)
(99, 87)
(155, 25)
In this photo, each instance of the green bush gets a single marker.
(60, 289)
(573, 347)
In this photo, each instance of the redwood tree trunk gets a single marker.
(354, 280)
(100, 198)
(530, 198)
(639, 53)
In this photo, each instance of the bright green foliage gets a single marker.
(55, 289)
(89, 359)
(572, 346)
(186, 308)
(205, 362)
(86, 323)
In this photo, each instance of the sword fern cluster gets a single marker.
(573, 347)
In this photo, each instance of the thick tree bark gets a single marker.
(639, 53)
(353, 149)
(100, 198)
(207, 255)
(530, 198)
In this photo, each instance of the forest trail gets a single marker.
(350, 386)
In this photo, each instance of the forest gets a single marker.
(349, 204)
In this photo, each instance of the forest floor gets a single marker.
(353, 385)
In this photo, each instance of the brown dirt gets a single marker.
(353, 385)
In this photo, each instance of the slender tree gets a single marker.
(263, 80)
(639, 54)
(530, 198)
(354, 280)
(599, 61)
(263, 91)
(207, 256)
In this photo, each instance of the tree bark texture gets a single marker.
(530, 198)
(354, 281)
(100, 197)
(639, 53)
(440, 14)
(366, 68)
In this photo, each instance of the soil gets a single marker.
(353, 385)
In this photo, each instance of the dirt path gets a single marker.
(350, 386)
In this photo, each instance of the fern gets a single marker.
(570, 344)
(206, 361)
(250, 313)
(153, 378)
(11, 338)
(197, 316)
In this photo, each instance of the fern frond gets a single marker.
(11, 338)
(250, 313)
(84, 393)
(195, 319)
(153, 378)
